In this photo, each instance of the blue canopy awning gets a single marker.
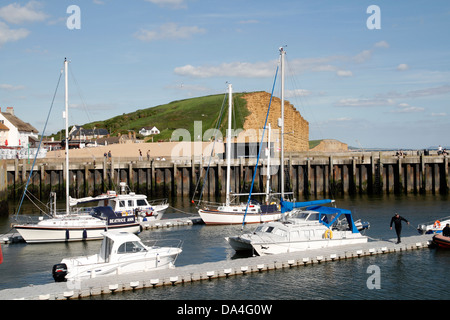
(289, 206)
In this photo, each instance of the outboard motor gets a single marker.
(59, 272)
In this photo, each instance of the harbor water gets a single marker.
(409, 275)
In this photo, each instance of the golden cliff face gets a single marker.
(296, 129)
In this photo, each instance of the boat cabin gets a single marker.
(127, 203)
(115, 244)
(107, 213)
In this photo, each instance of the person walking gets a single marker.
(446, 230)
(397, 221)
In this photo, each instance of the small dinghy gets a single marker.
(441, 241)
(120, 252)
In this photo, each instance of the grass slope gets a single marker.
(180, 114)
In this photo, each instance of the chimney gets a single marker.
(10, 110)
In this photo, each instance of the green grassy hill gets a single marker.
(178, 115)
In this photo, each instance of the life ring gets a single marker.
(328, 234)
(437, 224)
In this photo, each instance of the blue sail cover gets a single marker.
(328, 216)
(289, 206)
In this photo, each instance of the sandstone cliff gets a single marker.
(296, 128)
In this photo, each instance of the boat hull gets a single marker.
(212, 217)
(140, 262)
(43, 234)
(267, 248)
(441, 241)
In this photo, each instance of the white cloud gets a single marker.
(175, 4)
(406, 108)
(382, 44)
(248, 21)
(168, 31)
(297, 93)
(16, 14)
(233, 69)
(9, 35)
(429, 91)
(344, 73)
(374, 102)
(402, 67)
(267, 69)
(365, 55)
(10, 87)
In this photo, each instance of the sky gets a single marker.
(372, 74)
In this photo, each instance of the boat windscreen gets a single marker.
(103, 212)
(106, 248)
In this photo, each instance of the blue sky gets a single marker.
(387, 87)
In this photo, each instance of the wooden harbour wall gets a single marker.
(307, 174)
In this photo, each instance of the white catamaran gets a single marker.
(71, 225)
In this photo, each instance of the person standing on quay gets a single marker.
(397, 221)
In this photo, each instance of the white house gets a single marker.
(15, 132)
(147, 131)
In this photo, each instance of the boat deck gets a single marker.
(206, 271)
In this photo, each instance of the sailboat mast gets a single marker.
(66, 116)
(268, 166)
(230, 106)
(283, 53)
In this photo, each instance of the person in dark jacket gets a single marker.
(397, 221)
(446, 231)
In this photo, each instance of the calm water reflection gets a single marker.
(406, 275)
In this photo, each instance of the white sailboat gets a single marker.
(74, 226)
(230, 213)
(120, 253)
(315, 227)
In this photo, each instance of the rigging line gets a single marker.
(210, 157)
(303, 100)
(86, 110)
(40, 142)
(260, 148)
(72, 74)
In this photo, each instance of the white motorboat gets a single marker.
(120, 253)
(128, 203)
(315, 227)
(77, 226)
(431, 227)
(71, 225)
(238, 213)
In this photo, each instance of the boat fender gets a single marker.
(437, 224)
(328, 234)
